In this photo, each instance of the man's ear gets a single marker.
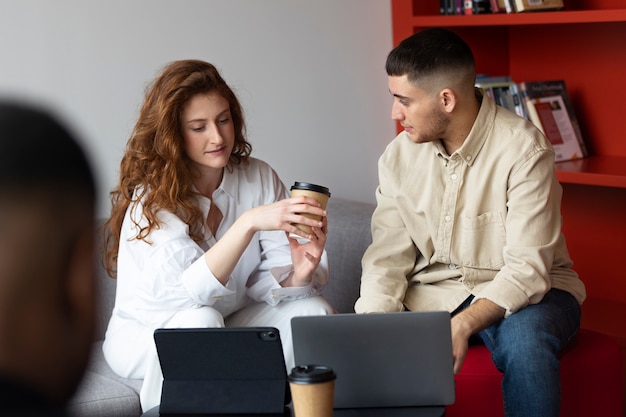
(447, 100)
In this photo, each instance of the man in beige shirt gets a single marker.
(468, 220)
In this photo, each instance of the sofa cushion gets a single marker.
(590, 380)
(102, 393)
(100, 396)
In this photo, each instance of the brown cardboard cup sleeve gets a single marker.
(312, 390)
(317, 192)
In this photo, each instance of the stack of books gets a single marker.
(467, 7)
(546, 104)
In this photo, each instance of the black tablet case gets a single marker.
(222, 371)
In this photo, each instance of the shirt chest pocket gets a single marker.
(482, 240)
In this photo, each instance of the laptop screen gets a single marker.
(381, 360)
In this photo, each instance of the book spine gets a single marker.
(518, 101)
(495, 7)
(446, 7)
(533, 116)
(458, 7)
(530, 5)
(529, 106)
(481, 6)
(468, 7)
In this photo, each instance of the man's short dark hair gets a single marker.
(429, 52)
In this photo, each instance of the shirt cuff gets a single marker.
(203, 287)
(270, 291)
(505, 295)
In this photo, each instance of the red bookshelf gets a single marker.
(582, 44)
(609, 171)
(535, 18)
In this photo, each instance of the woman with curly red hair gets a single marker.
(199, 230)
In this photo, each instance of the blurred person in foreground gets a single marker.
(468, 220)
(47, 284)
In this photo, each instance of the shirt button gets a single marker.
(447, 218)
(454, 177)
(452, 266)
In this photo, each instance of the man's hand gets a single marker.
(478, 316)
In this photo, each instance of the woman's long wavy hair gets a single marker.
(155, 168)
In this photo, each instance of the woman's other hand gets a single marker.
(306, 255)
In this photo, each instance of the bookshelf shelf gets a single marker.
(512, 19)
(607, 171)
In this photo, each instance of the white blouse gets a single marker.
(168, 274)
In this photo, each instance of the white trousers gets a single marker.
(144, 362)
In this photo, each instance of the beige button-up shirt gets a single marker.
(484, 221)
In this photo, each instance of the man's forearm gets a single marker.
(478, 316)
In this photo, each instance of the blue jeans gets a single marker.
(525, 347)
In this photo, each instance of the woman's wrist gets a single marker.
(246, 224)
(288, 282)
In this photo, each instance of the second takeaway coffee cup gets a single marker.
(317, 192)
(312, 390)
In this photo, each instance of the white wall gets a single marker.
(310, 75)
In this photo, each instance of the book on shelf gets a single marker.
(469, 7)
(519, 105)
(549, 107)
(498, 6)
(546, 104)
(499, 89)
(464, 7)
(536, 5)
(484, 81)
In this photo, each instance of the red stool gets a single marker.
(591, 380)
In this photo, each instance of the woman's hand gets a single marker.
(281, 215)
(306, 256)
(285, 214)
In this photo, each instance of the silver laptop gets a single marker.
(401, 362)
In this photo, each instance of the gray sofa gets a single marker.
(104, 394)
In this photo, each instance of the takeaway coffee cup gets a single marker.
(317, 192)
(312, 390)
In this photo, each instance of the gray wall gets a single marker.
(310, 75)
